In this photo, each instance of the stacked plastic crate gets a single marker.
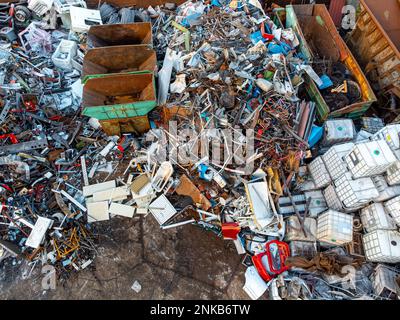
(390, 134)
(346, 169)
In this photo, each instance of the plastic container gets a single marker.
(384, 282)
(65, 52)
(334, 159)
(294, 232)
(372, 125)
(355, 192)
(390, 134)
(338, 131)
(64, 6)
(319, 173)
(333, 201)
(393, 174)
(82, 19)
(303, 249)
(363, 136)
(374, 217)
(382, 246)
(317, 203)
(40, 7)
(386, 192)
(334, 228)
(393, 209)
(370, 158)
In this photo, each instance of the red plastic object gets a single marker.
(12, 137)
(230, 230)
(271, 271)
(265, 35)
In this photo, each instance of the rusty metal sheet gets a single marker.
(375, 44)
(386, 15)
(120, 34)
(187, 188)
(115, 59)
(138, 125)
(335, 10)
(122, 88)
(131, 3)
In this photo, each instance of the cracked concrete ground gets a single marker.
(183, 263)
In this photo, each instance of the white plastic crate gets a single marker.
(393, 209)
(333, 201)
(386, 192)
(334, 159)
(393, 174)
(64, 54)
(334, 228)
(382, 246)
(319, 173)
(355, 192)
(337, 131)
(294, 232)
(390, 134)
(374, 217)
(370, 158)
(384, 282)
(362, 136)
(317, 203)
(40, 7)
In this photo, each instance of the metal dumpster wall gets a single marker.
(368, 96)
(376, 42)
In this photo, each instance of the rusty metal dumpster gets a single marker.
(119, 96)
(119, 88)
(376, 43)
(318, 36)
(118, 59)
(120, 34)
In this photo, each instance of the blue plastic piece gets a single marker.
(191, 19)
(66, 262)
(267, 29)
(279, 48)
(315, 135)
(256, 92)
(205, 116)
(216, 3)
(205, 172)
(153, 124)
(255, 37)
(326, 82)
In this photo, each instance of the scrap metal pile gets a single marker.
(234, 146)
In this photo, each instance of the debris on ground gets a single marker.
(253, 123)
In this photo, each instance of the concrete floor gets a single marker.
(183, 263)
